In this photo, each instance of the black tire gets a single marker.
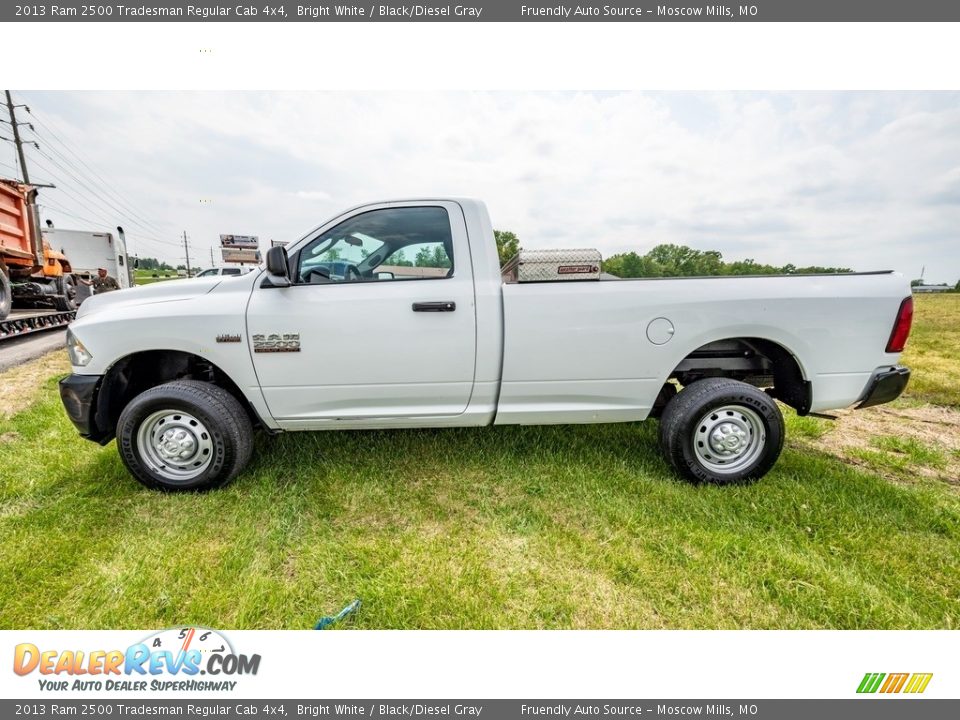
(206, 415)
(66, 297)
(737, 444)
(6, 294)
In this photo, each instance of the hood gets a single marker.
(164, 291)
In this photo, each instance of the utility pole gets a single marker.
(212, 264)
(186, 250)
(16, 138)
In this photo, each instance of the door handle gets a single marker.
(447, 306)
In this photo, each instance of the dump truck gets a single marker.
(32, 272)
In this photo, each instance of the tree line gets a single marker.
(669, 260)
(149, 263)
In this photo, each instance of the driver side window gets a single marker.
(407, 243)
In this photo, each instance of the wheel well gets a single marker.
(141, 371)
(757, 361)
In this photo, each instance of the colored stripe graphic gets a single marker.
(918, 683)
(870, 682)
(894, 683)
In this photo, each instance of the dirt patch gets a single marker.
(22, 385)
(898, 442)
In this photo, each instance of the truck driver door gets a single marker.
(378, 323)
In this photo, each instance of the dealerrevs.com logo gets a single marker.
(910, 683)
(180, 659)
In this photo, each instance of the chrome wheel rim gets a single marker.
(728, 439)
(175, 445)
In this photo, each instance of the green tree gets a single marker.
(669, 260)
(440, 258)
(435, 258)
(423, 258)
(508, 245)
(631, 265)
(398, 258)
(750, 267)
(151, 263)
(683, 261)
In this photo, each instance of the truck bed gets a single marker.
(601, 351)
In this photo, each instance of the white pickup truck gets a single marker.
(397, 315)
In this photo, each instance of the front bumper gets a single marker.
(885, 385)
(79, 394)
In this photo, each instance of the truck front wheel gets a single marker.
(721, 431)
(184, 435)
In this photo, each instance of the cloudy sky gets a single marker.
(865, 180)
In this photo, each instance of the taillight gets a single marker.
(901, 328)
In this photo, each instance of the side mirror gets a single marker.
(385, 275)
(277, 269)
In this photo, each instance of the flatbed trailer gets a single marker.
(25, 322)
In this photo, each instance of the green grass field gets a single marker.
(558, 527)
(146, 277)
(933, 350)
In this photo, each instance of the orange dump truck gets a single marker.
(31, 272)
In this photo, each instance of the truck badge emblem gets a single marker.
(228, 338)
(287, 342)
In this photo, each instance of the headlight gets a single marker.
(79, 356)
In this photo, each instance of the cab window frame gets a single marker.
(296, 259)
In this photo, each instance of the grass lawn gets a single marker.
(146, 277)
(933, 351)
(556, 527)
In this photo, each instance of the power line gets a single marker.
(58, 209)
(131, 211)
(87, 202)
(95, 204)
(93, 188)
(62, 211)
(100, 219)
(98, 203)
(99, 196)
(105, 216)
(104, 201)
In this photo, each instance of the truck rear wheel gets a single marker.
(721, 431)
(6, 294)
(66, 297)
(184, 435)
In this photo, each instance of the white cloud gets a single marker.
(866, 180)
(313, 195)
